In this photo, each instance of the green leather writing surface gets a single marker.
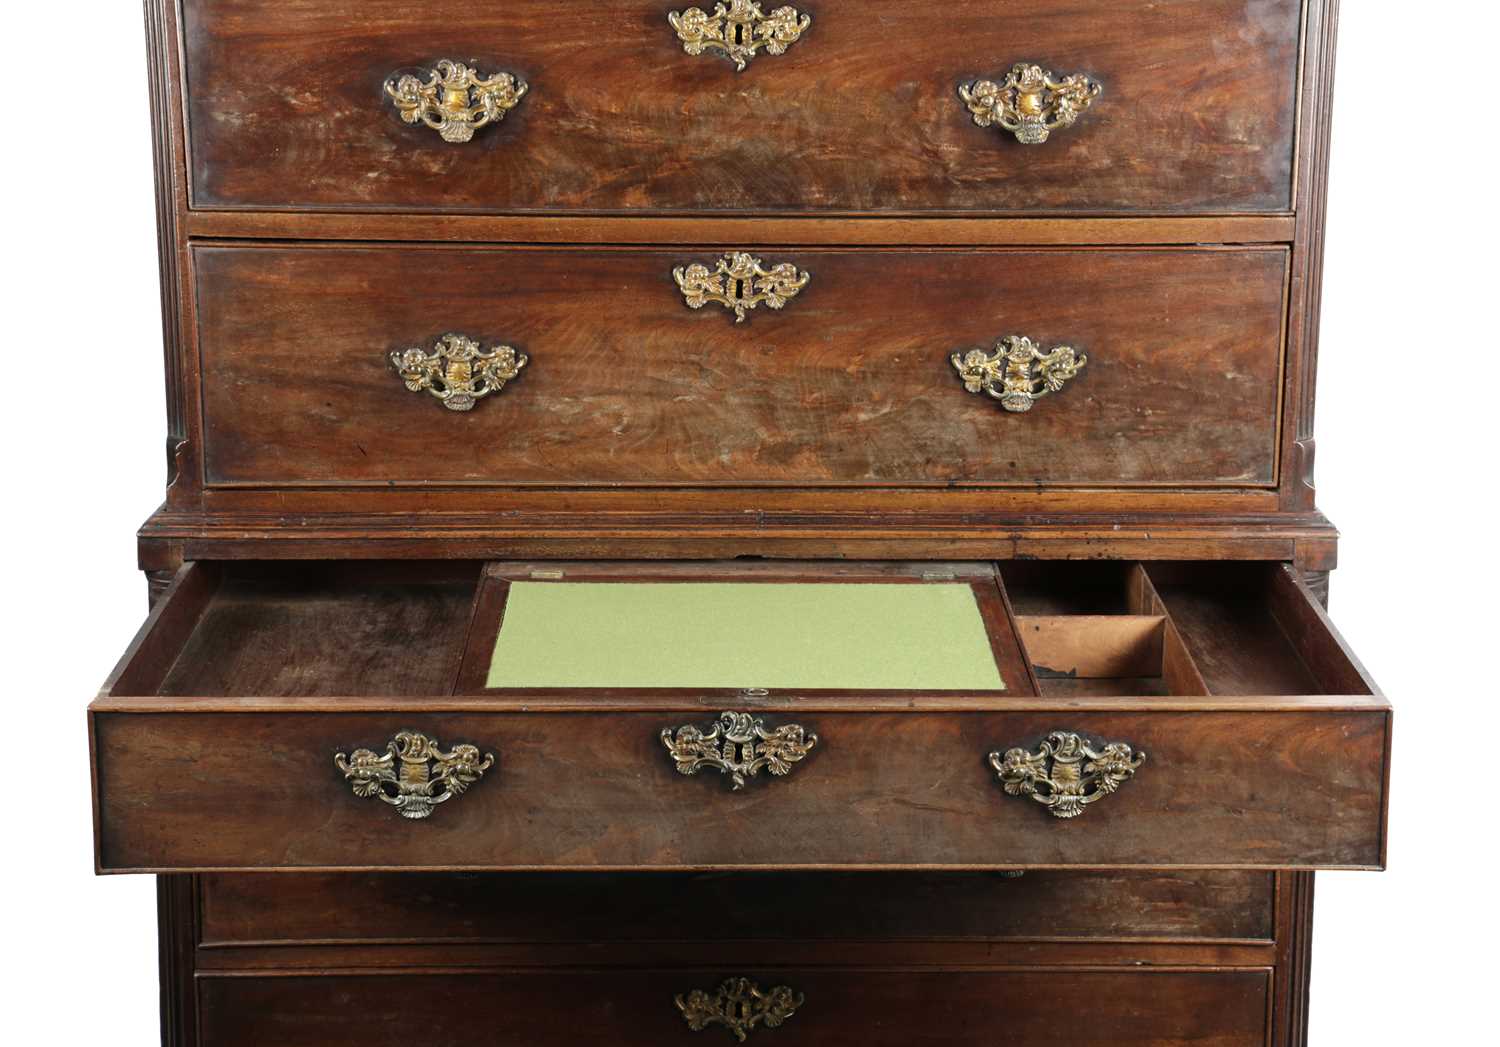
(835, 635)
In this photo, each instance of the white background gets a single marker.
(1406, 466)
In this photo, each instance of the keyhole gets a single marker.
(739, 34)
(739, 289)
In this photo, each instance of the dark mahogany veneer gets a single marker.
(332, 553)
(286, 109)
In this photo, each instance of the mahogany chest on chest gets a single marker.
(790, 524)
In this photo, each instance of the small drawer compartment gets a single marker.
(382, 716)
(1099, 629)
(1122, 368)
(597, 108)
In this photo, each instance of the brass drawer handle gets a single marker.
(1017, 373)
(457, 371)
(1079, 773)
(454, 100)
(740, 1006)
(739, 745)
(739, 282)
(414, 775)
(1030, 102)
(739, 31)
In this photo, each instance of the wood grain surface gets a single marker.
(286, 108)
(850, 384)
(596, 790)
(285, 634)
(584, 908)
(269, 118)
(635, 1008)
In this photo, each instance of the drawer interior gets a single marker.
(1112, 628)
(326, 629)
(1024, 628)
(395, 629)
(245, 727)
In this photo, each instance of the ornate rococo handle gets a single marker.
(1030, 102)
(739, 31)
(739, 282)
(1067, 772)
(454, 100)
(1017, 373)
(738, 745)
(457, 371)
(414, 775)
(740, 1005)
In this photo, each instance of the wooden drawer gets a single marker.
(835, 1008)
(850, 384)
(617, 938)
(286, 109)
(225, 739)
(390, 913)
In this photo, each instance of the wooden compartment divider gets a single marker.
(1094, 653)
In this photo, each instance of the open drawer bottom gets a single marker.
(738, 716)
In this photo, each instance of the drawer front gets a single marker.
(254, 784)
(519, 908)
(851, 383)
(829, 1008)
(287, 108)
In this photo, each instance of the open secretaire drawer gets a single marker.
(743, 715)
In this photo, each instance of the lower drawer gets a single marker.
(788, 1007)
(785, 1007)
(861, 958)
(908, 716)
